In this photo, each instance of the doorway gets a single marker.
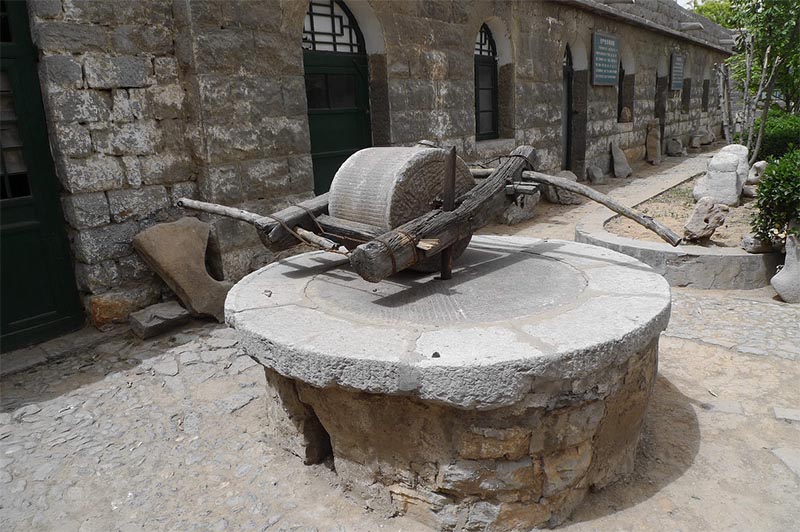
(38, 295)
(337, 88)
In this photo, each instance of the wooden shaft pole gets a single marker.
(448, 204)
(222, 210)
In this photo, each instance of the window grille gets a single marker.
(330, 27)
(486, 90)
(484, 44)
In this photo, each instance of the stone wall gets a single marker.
(152, 100)
(115, 106)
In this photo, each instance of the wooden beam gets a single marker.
(397, 249)
(276, 237)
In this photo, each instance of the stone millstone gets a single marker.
(705, 219)
(496, 399)
(176, 252)
(387, 187)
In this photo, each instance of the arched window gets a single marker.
(329, 26)
(486, 112)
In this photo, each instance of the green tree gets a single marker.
(719, 11)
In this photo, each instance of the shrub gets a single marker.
(778, 200)
(781, 133)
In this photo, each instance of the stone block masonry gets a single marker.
(151, 100)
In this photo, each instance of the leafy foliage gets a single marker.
(778, 200)
(719, 11)
(781, 134)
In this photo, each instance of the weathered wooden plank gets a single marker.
(276, 237)
(397, 249)
(347, 232)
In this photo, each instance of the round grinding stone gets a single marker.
(387, 187)
(516, 311)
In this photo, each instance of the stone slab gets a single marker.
(158, 318)
(788, 414)
(517, 309)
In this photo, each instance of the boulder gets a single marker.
(521, 210)
(704, 220)
(787, 281)
(621, 166)
(749, 191)
(694, 142)
(753, 244)
(756, 172)
(559, 195)
(595, 175)
(654, 142)
(706, 136)
(743, 168)
(626, 115)
(176, 251)
(727, 172)
(157, 319)
(674, 147)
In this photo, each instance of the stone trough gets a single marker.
(491, 401)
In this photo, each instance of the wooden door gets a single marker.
(337, 91)
(38, 296)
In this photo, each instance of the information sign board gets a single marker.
(676, 72)
(605, 59)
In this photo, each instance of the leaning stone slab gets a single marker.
(176, 251)
(674, 147)
(595, 175)
(621, 166)
(787, 281)
(559, 195)
(157, 319)
(704, 220)
(654, 142)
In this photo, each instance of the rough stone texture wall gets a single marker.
(116, 114)
(151, 100)
(511, 468)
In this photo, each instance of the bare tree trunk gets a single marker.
(748, 102)
(765, 110)
(728, 103)
(754, 101)
(722, 97)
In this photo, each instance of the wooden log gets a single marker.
(397, 249)
(222, 210)
(348, 233)
(277, 238)
(657, 227)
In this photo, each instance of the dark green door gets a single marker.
(337, 91)
(38, 296)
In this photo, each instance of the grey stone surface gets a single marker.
(756, 173)
(559, 195)
(752, 244)
(86, 210)
(106, 242)
(177, 251)
(118, 72)
(725, 177)
(94, 174)
(521, 210)
(595, 175)
(790, 458)
(621, 166)
(653, 142)
(788, 414)
(749, 191)
(787, 281)
(395, 353)
(135, 203)
(674, 147)
(704, 220)
(63, 71)
(158, 319)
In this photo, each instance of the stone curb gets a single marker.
(684, 265)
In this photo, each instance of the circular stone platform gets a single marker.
(493, 399)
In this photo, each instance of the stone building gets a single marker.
(255, 103)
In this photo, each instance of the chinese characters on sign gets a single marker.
(676, 72)
(605, 58)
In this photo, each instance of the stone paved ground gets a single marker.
(170, 434)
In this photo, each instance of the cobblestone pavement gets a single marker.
(171, 434)
(738, 320)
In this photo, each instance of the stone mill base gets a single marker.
(510, 468)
